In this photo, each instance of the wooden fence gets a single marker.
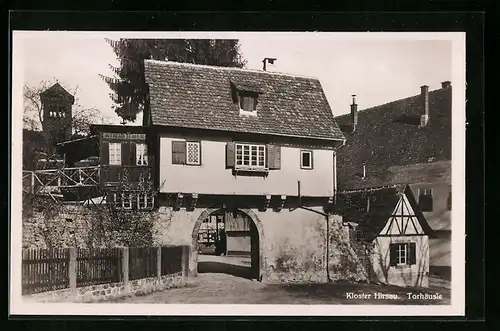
(98, 266)
(45, 270)
(143, 262)
(53, 269)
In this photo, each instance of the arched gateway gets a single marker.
(257, 241)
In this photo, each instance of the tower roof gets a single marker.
(57, 90)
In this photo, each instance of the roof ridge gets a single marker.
(391, 102)
(193, 65)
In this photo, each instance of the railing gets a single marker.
(53, 269)
(49, 181)
(125, 174)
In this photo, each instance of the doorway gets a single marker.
(228, 242)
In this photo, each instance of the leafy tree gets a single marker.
(129, 86)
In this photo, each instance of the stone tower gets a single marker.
(57, 106)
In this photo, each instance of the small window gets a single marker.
(248, 101)
(402, 254)
(306, 159)
(126, 200)
(193, 153)
(145, 201)
(141, 154)
(425, 199)
(115, 153)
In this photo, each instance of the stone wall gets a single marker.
(87, 226)
(296, 248)
(292, 243)
(113, 291)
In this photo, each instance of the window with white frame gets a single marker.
(306, 159)
(250, 156)
(123, 200)
(193, 153)
(115, 153)
(141, 154)
(401, 254)
(145, 201)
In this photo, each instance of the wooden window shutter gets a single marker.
(178, 152)
(274, 157)
(133, 160)
(104, 157)
(393, 254)
(126, 153)
(412, 254)
(230, 162)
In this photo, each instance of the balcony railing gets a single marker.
(51, 181)
(115, 175)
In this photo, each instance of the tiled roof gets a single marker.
(57, 89)
(352, 206)
(198, 96)
(392, 146)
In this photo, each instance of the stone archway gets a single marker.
(193, 260)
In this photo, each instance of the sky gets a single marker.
(377, 70)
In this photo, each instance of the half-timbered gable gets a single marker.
(388, 223)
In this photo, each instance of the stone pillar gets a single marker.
(158, 261)
(125, 269)
(72, 268)
(185, 262)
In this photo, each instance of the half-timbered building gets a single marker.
(390, 232)
(245, 146)
(407, 141)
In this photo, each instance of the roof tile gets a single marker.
(197, 96)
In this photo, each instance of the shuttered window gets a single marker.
(250, 156)
(243, 156)
(402, 254)
(115, 153)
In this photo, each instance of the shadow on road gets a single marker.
(224, 268)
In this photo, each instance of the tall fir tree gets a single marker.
(129, 86)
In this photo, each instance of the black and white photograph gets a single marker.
(238, 173)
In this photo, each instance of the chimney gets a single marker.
(424, 101)
(268, 60)
(354, 113)
(446, 84)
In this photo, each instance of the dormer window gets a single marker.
(245, 96)
(248, 101)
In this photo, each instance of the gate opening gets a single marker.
(228, 242)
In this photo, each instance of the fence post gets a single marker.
(125, 269)
(32, 182)
(158, 262)
(185, 262)
(72, 268)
